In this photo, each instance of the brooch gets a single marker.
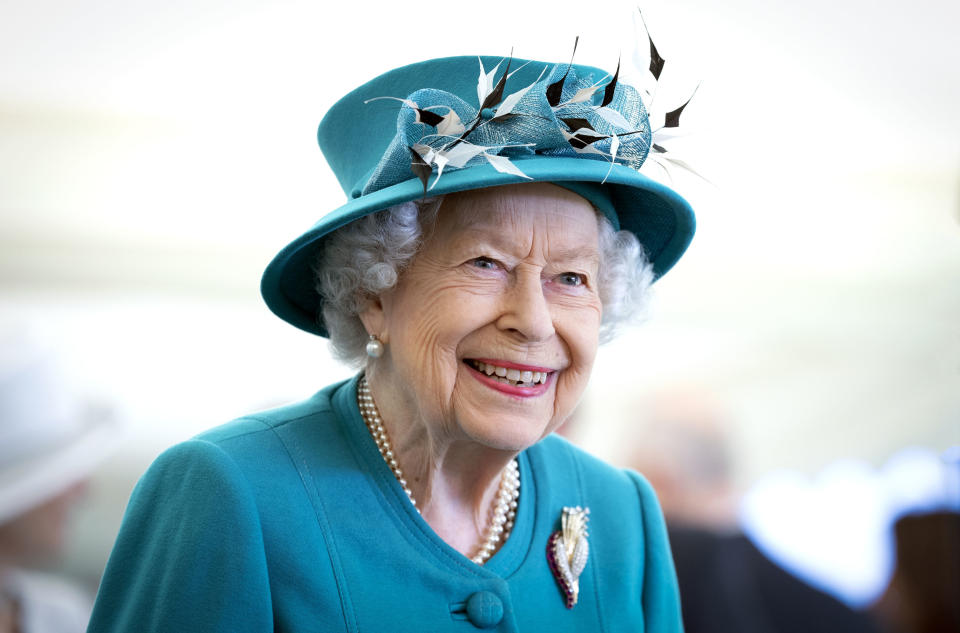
(567, 551)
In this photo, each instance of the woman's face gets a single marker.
(492, 330)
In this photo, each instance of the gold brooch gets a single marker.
(567, 552)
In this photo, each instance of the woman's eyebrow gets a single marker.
(503, 242)
(499, 240)
(576, 253)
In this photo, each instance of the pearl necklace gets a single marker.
(504, 509)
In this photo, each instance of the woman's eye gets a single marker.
(483, 262)
(572, 279)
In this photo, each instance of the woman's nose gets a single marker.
(525, 308)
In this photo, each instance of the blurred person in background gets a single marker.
(726, 583)
(49, 444)
(924, 593)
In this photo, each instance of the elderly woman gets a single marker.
(484, 253)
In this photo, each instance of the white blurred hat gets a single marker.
(49, 439)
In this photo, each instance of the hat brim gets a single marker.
(660, 218)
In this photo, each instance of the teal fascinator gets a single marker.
(461, 123)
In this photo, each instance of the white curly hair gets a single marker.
(364, 258)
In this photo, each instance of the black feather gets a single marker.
(555, 90)
(582, 139)
(611, 88)
(420, 169)
(672, 118)
(656, 62)
(497, 95)
(576, 124)
(430, 118)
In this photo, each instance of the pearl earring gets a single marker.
(374, 347)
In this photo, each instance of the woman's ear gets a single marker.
(374, 319)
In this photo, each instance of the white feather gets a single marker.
(613, 117)
(485, 83)
(461, 153)
(614, 146)
(451, 125)
(511, 101)
(503, 164)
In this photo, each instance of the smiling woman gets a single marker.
(491, 284)
(427, 493)
(364, 258)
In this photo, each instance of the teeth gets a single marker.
(511, 376)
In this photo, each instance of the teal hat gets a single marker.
(461, 123)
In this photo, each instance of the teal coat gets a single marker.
(290, 520)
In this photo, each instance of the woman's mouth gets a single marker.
(519, 380)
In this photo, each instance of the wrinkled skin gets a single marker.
(505, 274)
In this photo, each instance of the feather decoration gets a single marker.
(555, 90)
(613, 117)
(407, 102)
(556, 127)
(611, 88)
(614, 146)
(457, 156)
(672, 118)
(668, 134)
(492, 97)
(423, 116)
(420, 168)
(582, 135)
(440, 161)
(583, 94)
(496, 94)
(516, 70)
(450, 125)
(485, 82)
(425, 151)
(581, 142)
(428, 117)
(511, 101)
(656, 62)
(659, 154)
(672, 160)
(503, 164)
(577, 123)
(460, 154)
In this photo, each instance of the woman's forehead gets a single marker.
(517, 207)
(565, 226)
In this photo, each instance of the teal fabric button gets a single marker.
(484, 609)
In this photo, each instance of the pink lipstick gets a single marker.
(524, 381)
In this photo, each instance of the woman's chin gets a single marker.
(493, 416)
(505, 433)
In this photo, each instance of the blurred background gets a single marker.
(154, 156)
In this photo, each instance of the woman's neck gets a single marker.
(453, 480)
